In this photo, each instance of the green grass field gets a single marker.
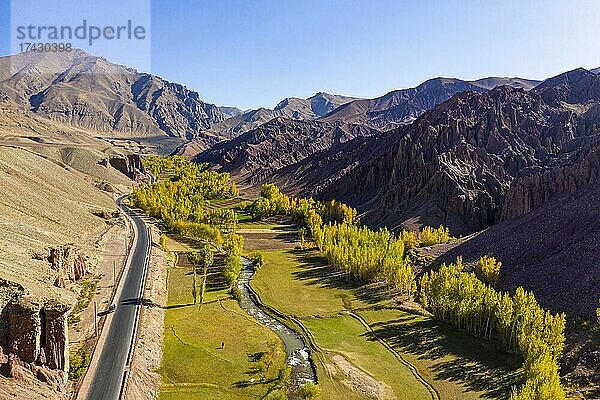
(456, 364)
(345, 336)
(397, 355)
(298, 283)
(194, 366)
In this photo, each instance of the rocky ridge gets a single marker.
(256, 155)
(290, 108)
(455, 164)
(401, 107)
(92, 93)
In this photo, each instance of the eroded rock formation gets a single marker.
(481, 158)
(68, 261)
(33, 336)
(532, 191)
(130, 165)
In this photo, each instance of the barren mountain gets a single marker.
(45, 253)
(230, 111)
(455, 164)
(574, 87)
(492, 82)
(240, 154)
(256, 155)
(92, 93)
(401, 107)
(291, 108)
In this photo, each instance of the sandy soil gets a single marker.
(361, 382)
(110, 251)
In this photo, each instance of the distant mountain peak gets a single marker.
(576, 86)
(92, 93)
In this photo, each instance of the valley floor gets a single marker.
(367, 348)
(363, 345)
(194, 365)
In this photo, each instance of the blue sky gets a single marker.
(255, 53)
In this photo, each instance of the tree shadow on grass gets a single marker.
(314, 270)
(254, 370)
(177, 306)
(454, 354)
(215, 282)
(188, 241)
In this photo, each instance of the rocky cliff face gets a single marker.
(33, 336)
(130, 165)
(68, 262)
(480, 158)
(542, 185)
(454, 164)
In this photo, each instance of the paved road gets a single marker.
(108, 377)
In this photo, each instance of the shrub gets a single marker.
(309, 391)
(78, 363)
(163, 242)
(488, 270)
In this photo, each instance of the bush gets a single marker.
(309, 391)
(78, 363)
(257, 259)
(488, 270)
(233, 267)
(163, 242)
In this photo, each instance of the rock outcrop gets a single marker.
(68, 262)
(33, 336)
(130, 165)
(400, 107)
(540, 186)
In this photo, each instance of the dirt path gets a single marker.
(434, 394)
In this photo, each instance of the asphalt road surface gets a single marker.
(108, 377)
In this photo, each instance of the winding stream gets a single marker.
(303, 370)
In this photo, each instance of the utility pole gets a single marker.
(96, 319)
(114, 272)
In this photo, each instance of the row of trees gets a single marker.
(234, 247)
(366, 255)
(461, 299)
(427, 236)
(203, 258)
(181, 193)
(178, 197)
(169, 167)
(273, 202)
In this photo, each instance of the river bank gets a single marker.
(213, 351)
(298, 353)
